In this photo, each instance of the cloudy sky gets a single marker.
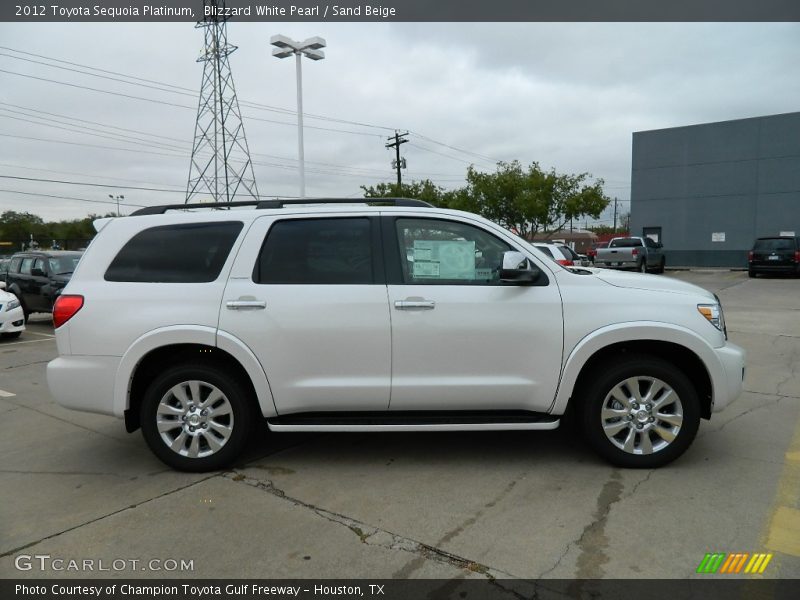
(568, 96)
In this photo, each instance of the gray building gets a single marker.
(707, 191)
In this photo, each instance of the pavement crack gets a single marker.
(375, 536)
(107, 515)
(592, 541)
(775, 402)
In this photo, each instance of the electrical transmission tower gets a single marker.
(220, 165)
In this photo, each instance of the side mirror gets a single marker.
(518, 269)
(37, 272)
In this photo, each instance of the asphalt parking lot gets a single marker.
(514, 504)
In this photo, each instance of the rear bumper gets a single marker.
(793, 268)
(730, 381)
(84, 382)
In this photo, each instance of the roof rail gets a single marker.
(278, 203)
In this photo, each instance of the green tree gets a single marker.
(529, 199)
(20, 225)
(420, 190)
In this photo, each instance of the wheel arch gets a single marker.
(673, 344)
(169, 346)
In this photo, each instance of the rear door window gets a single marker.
(179, 253)
(317, 251)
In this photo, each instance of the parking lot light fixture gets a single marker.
(311, 48)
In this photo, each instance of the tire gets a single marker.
(662, 265)
(213, 443)
(12, 335)
(751, 273)
(642, 267)
(626, 436)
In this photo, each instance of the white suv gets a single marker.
(326, 316)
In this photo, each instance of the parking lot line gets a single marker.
(5, 394)
(48, 339)
(783, 533)
(47, 335)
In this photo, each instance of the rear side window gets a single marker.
(27, 265)
(185, 253)
(775, 244)
(14, 266)
(317, 251)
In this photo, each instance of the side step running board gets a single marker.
(414, 421)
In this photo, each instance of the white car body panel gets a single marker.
(323, 347)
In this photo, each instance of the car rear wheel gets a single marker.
(642, 266)
(642, 412)
(196, 418)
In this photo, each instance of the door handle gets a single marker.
(415, 304)
(246, 304)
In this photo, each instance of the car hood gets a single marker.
(655, 283)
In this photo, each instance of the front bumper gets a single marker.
(12, 320)
(730, 383)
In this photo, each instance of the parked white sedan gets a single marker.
(12, 319)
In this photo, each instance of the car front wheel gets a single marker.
(196, 418)
(640, 413)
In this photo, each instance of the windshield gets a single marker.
(63, 265)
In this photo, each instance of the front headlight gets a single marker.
(12, 305)
(713, 314)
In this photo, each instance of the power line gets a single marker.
(89, 184)
(70, 198)
(259, 106)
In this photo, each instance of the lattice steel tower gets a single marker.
(220, 165)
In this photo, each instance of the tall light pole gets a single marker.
(117, 198)
(287, 47)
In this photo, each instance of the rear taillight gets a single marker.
(65, 308)
(635, 252)
(565, 262)
(797, 256)
(750, 256)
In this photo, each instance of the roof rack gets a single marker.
(277, 203)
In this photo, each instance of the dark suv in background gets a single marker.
(37, 277)
(778, 254)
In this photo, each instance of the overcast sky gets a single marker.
(568, 96)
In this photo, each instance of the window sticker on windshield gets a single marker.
(444, 259)
(483, 273)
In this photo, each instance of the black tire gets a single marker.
(642, 266)
(635, 425)
(12, 335)
(662, 265)
(238, 418)
(751, 273)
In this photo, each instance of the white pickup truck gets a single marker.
(639, 253)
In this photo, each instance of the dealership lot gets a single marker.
(513, 504)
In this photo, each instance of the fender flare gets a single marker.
(189, 334)
(633, 331)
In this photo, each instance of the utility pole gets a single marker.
(399, 138)
(615, 215)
